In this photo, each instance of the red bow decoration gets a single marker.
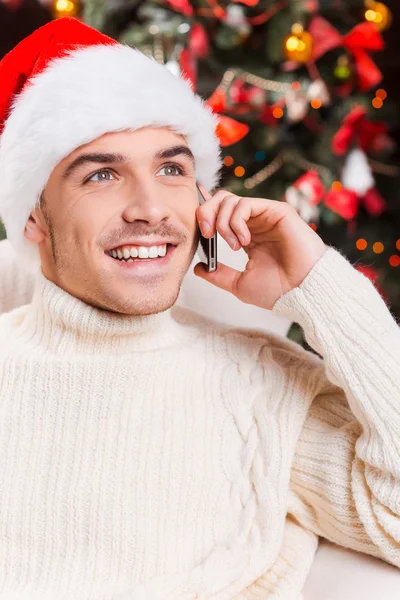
(363, 38)
(356, 128)
(346, 203)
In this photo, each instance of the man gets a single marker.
(146, 452)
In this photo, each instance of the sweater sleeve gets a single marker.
(345, 478)
(16, 284)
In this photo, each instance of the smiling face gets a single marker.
(113, 199)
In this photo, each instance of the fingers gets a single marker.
(224, 277)
(228, 214)
(223, 221)
(216, 214)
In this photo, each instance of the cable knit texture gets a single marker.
(169, 457)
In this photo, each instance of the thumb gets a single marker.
(224, 277)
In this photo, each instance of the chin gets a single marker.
(149, 303)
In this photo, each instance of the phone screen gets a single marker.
(207, 248)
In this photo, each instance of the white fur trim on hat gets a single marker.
(80, 97)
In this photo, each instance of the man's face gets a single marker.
(115, 195)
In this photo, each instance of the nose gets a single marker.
(146, 205)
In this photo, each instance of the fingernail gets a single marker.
(241, 239)
(231, 241)
(204, 227)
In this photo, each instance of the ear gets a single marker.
(34, 231)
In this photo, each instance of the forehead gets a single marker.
(135, 143)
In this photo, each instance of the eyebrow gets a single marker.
(176, 151)
(101, 158)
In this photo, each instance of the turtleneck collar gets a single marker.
(59, 323)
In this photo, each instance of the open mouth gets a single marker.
(140, 253)
(142, 257)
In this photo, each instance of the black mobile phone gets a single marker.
(207, 248)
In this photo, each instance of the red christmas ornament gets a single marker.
(217, 101)
(245, 98)
(230, 131)
(305, 194)
(238, 91)
(313, 183)
(267, 116)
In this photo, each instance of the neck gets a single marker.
(59, 323)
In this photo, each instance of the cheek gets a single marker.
(187, 214)
(85, 227)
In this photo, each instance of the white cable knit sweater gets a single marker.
(169, 457)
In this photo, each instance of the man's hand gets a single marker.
(281, 247)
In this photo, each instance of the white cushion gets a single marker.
(341, 574)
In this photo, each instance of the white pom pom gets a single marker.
(357, 174)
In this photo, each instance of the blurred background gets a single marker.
(307, 93)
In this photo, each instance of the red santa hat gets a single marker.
(66, 85)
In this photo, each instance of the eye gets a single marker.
(178, 168)
(101, 175)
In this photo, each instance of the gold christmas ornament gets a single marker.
(298, 45)
(378, 13)
(65, 8)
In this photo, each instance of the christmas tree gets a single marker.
(304, 117)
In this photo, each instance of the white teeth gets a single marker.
(142, 252)
(153, 252)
